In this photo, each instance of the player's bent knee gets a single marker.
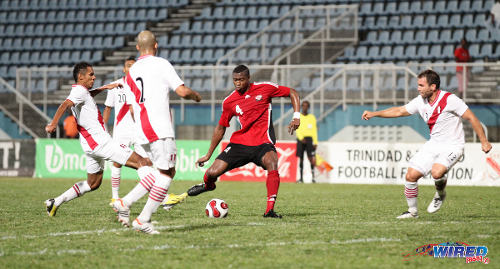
(436, 175)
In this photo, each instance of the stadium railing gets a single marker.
(327, 87)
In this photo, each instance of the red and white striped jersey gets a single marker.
(120, 99)
(253, 110)
(151, 79)
(88, 118)
(443, 116)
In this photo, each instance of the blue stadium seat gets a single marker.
(396, 37)
(452, 6)
(458, 34)
(486, 51)
(464, 6)
(433, 36)
(383, 38)
(406, 21)
(479, 20)
(470, 34)
(411, 51)
(385, 53)
(448, 51)
(430, 21)
(445, 34)
(403, 7)
(483, 35)
(468, 20)
(435, 51)
(378, 8)
(477, 6)
(474, 50)
(408, 36)
(420, 36)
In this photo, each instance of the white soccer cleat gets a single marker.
(122, 212)
(408, 215)
(146, 227)
(436, 203)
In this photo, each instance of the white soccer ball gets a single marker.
(216, 208)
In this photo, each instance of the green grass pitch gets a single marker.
(324, 226)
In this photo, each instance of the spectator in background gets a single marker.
(493, 24)
(462, 56)
(70, 130)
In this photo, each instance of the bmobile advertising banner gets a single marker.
(387, 163)
(287, 166)
(64, 158)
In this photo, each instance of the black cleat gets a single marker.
(199, 188)
(272, 214)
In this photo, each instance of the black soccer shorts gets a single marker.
(308, 147)
(237, 155)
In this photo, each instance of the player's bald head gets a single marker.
(146, 40)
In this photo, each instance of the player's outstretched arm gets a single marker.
(96, 91)
(476, 125)
(295, 123)
(219, 132)
(52, 126)
(187, 93)
(393, 112)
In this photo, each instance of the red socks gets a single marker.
(209, 184)
(272, 184)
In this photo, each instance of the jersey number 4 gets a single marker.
(141, 99)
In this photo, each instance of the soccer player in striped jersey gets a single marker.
(150, 80)
(96, 142)
(442, 111)
(250, 103)
(125, 133)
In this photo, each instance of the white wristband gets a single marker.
(296, 115)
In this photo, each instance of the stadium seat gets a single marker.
(486, 51)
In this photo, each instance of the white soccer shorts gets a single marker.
(162, 152)
(111, 151)
(432, 152)
(131, 142)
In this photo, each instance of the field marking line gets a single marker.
(174, 227)
(263, 244)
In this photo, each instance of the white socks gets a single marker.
(76, 190)
(156, 196)
(147, 177)
(411, 193)
(115, 181)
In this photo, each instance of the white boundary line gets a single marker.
(45, 251)
(176, 227)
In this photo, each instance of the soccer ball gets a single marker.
(216, 208)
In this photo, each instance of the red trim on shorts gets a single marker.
(145, 123)
(90, 140)
(437, 111)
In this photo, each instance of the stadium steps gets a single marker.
(30, 118)
(176, 18)
(483, 85)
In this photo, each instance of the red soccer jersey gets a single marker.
(253, 109)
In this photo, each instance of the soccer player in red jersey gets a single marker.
(254, 142)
